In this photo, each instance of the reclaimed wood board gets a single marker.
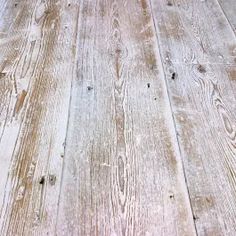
(197, 47)
(123, 172)
(117, 117)
(36, 61)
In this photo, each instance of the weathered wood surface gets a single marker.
(198, 45)
(117, 117)
(123, 173)
(37, 41)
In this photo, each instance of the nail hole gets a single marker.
(42, 180)
(173, 75)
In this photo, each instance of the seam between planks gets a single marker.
(172, 116)
(69, 109)
(225, 15)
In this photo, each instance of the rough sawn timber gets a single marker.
(37, 43)
(123, 173)
(198, 45)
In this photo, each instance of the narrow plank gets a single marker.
(123, 172)
(36, 69)
(229, 8)
(197, 49)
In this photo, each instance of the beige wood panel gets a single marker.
(122, 173)
(37, 45)
(197, 47)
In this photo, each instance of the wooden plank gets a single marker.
(197, 48)
(36, 68)
(229, 9)
(123, 173)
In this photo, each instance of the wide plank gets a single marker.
(197, 48)
(37, 45)
(123, 172)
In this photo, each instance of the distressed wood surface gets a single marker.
(36, 69)
(122, 172)
(117, 117)
(198, 51)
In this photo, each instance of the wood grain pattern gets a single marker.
(123, 173)
(37, 58)
(197, 47)
(117, 117)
